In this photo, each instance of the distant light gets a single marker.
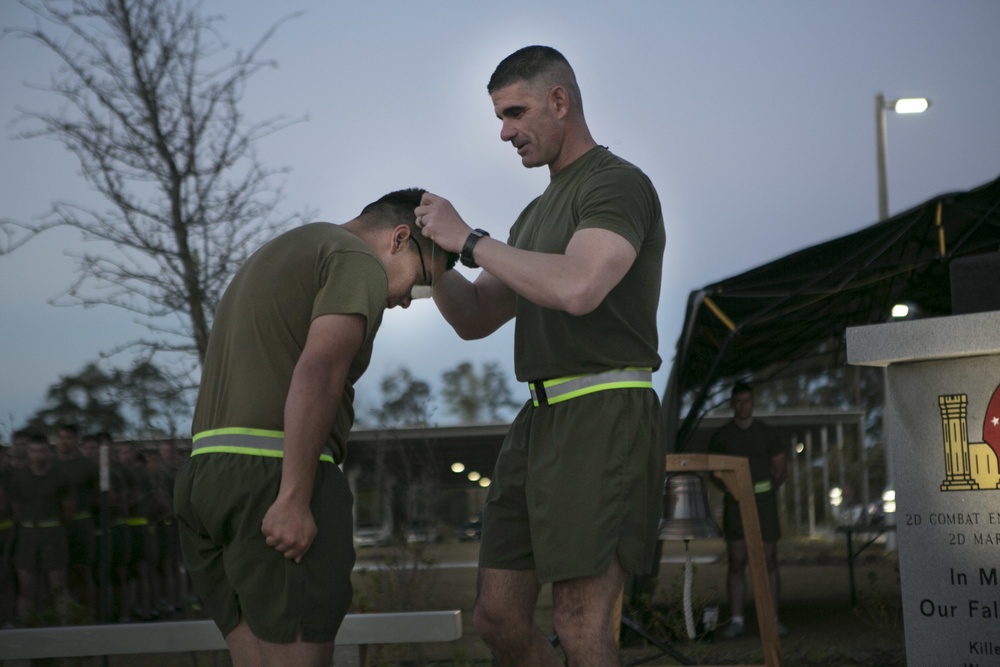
(900, 310)
(799, 448)
(889, 495)
(912, 105)
(836, 496)
(457, 467)
(474, 476)
(484, 482)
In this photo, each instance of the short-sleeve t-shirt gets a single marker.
(597, 190)
(264, 317)
(41, 497)
(84, 475)
(758, 443)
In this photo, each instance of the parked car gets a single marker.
(372, 535)
(473, 529)
(423, 532)
(876, 513)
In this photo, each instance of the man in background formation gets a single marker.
(51, 538)
(81, 535)
(43, 507)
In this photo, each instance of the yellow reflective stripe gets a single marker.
(6, 524)
(236, 430)
(249, 451)
(41, 524)
(762, 487)
(137, 521)
(558, 390)
(81, 515)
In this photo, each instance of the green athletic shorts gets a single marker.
(82, 545)
(220, 501)
(576, 484)
(121, 544)
(45, 549)
(767, 514)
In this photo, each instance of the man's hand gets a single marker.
(288, 529)
(439, 221)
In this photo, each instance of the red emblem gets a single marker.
(991, 425)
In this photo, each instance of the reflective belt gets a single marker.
(6, 524)
(81, 515)
(248, 441)
(137, 521)
(41, 524)
(762, 487)
(557, 390)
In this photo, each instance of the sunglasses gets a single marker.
(423, 291)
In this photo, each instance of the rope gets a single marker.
(688, 580)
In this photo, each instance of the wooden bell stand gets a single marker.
(734, 472)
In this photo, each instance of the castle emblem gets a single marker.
(969, 466)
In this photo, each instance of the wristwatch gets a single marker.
(470, 243)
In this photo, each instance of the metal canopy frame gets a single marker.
(771, 320)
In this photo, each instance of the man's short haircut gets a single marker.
(532, 63)
(396, 208)
(38, 438)
(72, 428)
(741, 388)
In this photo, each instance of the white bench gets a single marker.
(357, 632)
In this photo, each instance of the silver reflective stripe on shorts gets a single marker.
(245, 441)
(558, 390)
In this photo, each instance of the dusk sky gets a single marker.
(754, 120)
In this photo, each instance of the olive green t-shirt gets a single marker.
(263, 318)
(41, 497)
(598, 190)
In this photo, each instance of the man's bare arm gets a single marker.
(576, 281)
(474, 309)
(314, 397)
(779, 470)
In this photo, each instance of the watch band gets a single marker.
(470, 243)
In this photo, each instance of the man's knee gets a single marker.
(494, 622)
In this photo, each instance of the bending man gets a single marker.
(264, 511)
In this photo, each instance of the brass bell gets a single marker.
(687, 516)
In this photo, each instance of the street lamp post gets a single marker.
(905, 105)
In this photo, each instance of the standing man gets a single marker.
(43, 507)
(760, 445)
(142, 538)
(84, 476)
(264, 512)
(578, 487)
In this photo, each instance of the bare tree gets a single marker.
(151, 98)
(136, 402)
(475, 397)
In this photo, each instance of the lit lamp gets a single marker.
(687, 518)
(905, 105)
